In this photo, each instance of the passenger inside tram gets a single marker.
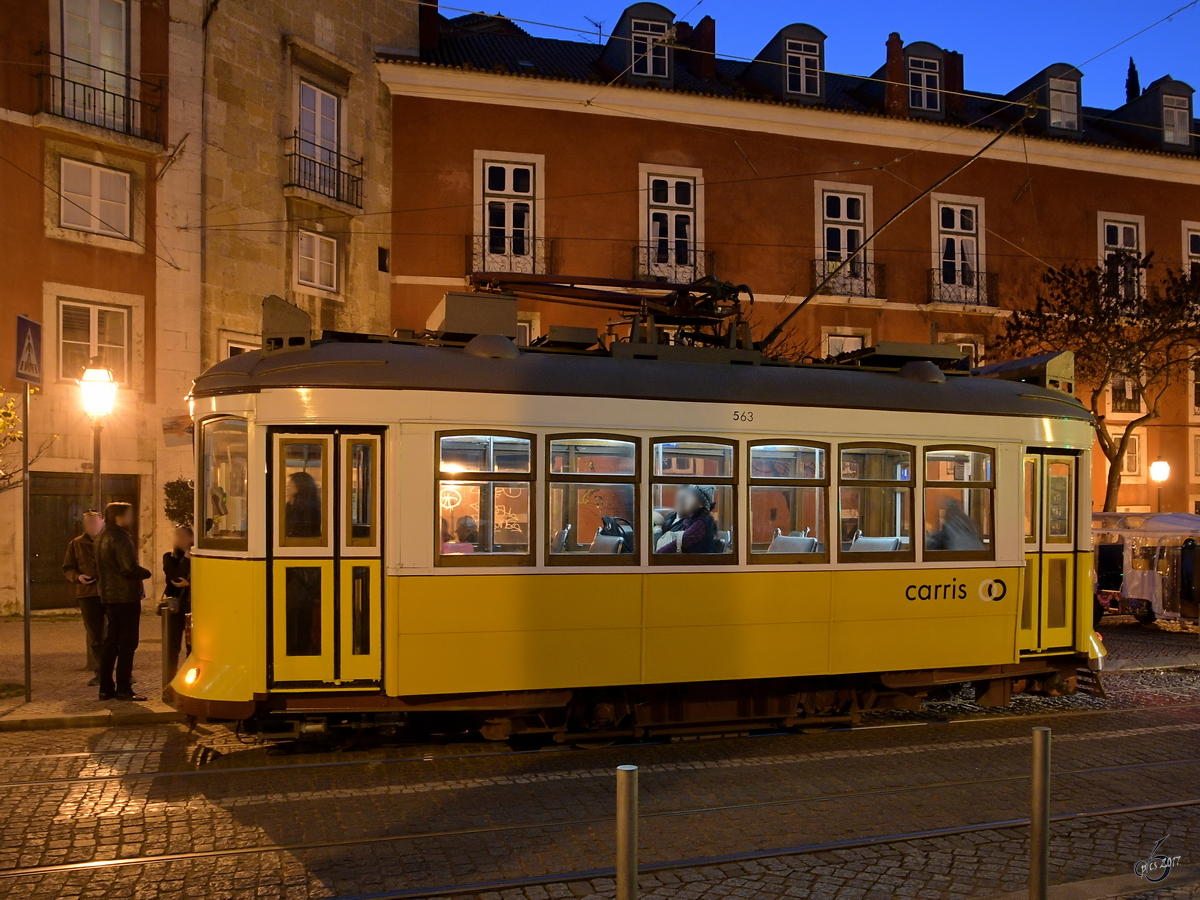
(303, 510)
(690, 527)
(465, 538)
(957, 531)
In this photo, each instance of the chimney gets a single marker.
(955, 101)
(428, 25)
(703, 39)
(895, 91)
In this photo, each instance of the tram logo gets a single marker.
(992, 589)
(1157, 866)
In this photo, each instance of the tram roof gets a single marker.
(400, 366)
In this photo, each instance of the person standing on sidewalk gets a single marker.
(177, 600)
(79, 565)
(121, 592)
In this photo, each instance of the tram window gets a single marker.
(1060, 495)
(958, 503)
(303, 477)
(592, 500)
(1031, 499)
(302, 614)
(361, 492)
(692, 496)
(485, 500)
(875, 502)
(223, 484)
(788, 503)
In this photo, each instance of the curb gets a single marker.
(90, 720)
(1111, 887)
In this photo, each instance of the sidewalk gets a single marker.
(1137, 648)
(61, 697)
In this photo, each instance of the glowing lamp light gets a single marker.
(191, 676)
(98, 390)
(1160, 471)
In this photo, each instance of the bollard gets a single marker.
(627, 832)
(1039, 817)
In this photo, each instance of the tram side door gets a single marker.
(1047, 603)
(326, 568)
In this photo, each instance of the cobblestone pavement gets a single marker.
(838, 814)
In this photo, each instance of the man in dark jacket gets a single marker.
(121, 593)
(79, 566)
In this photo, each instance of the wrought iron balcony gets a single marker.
(858, 279)
(85, 93)
(668, 261)
(501, 252)
(954, 284)
(324, 171)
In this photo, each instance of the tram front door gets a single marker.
(1047, 601)
(326, 566)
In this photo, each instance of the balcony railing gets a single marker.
(324, 171)
(951, 284)
(85, 93)
(670, 263)
(858, 279)
(510, 253)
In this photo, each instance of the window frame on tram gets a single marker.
(325, 539)
(732, 555)
(845, 556)
(203, 540)
(583, 558)
(530, 478)
(989, 551)
(763, 557)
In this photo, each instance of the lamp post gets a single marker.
(1160, 471)
(98, 392)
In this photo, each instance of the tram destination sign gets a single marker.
(29, 351)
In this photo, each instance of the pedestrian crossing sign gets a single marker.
(29, 351)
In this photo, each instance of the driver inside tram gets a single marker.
(690, 527)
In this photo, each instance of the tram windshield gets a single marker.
(223, 493)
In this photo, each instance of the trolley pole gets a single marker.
(1039, 817)
(627, 832)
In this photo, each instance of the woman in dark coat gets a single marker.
(303, 510)
(177, 567)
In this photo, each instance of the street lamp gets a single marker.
(1160, 471)
(99, 393)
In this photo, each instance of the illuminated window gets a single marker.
(875, 508)
(691, 493)
(592, 498)
(959, 484)
(223, 475)
(485, 488)
(788, 503)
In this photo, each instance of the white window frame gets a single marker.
(1064, 103)
(535, 160)
(937, 201)
(320, 241)
(647, 172)
(821, 189)
(1191, 256)
(648, 48)
(1177, 120)
(236, 339)
(842, 331)
(1104, 219)
(1134, 466)
(96, 223)
(797, 56)
(1193, 407)
(1194, 446)
(928, 73)
(1114, 416)
(93, 309)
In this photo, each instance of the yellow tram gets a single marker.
(390, 529)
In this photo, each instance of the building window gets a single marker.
(691, 494)
(1195, 455)
(649, 48)
(1195, 379)
(1122, 250)
(1131, 462)
(485, 499)
(317, 261)
(958, 253)
(95, 63)
(803, 68)
(592, 498)
(1192, 244)
(1064, 103)
(94, 198)
(1123, 396)
(923, 83)
(843, 225)
(1177, 120)
(671, 227)
(89, 330)
(875, 505)
(837, 344)
(959, 485)
(320, 124)
(508, 211)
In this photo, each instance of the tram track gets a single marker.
(304, 846)
(508, 753)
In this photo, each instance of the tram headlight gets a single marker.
(191, 676)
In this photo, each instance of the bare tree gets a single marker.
(11, 435)
(1121, 327)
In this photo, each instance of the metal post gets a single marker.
(25, 539)
(1039, 817)
(97, 486)
(627, 832)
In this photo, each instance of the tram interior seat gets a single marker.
(792, 543)
(862, 544)
(606, 543)
(559, 544)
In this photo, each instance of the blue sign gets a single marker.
(29, 351)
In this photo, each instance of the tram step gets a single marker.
(1089, 682)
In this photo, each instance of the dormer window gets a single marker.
(803, 68)
(649, 48)
(923, 75)
(1176, 119)
(1064, 103)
